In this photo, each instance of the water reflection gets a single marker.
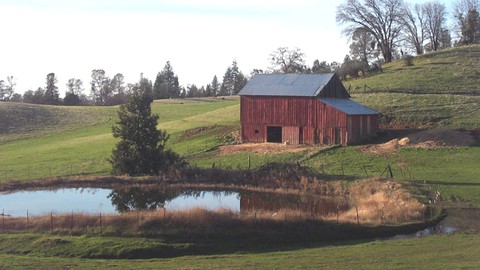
(127, 199)
(136, 198)
(311, 205)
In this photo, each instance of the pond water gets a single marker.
(111, 201)
(108, 201)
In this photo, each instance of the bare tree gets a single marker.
(382, 18)
(287, 60)
(414, 27)
(435, 18)
(7, 89)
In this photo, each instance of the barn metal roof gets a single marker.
(348, 106)
(299, 85)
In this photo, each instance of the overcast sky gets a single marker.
(200, 38)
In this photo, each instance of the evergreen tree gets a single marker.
(215, 86)
(233, 81)
(141, 149)
(51, 95)
(166, 84)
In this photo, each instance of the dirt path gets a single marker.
(264, 148)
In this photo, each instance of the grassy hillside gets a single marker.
(454, 70)
(40, 141)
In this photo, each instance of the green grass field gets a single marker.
(439, 91)
(457, 251)
(449, 71)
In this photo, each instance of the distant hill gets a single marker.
(455, 71)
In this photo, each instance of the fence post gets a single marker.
(358, 220)
(51, 222)
(27, 220)
(71, 224)
(100, 224)
(249, 163)
(3, 220)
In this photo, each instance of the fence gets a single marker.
(42, 170)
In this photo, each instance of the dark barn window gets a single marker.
(274, 134)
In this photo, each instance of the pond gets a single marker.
(110, 201)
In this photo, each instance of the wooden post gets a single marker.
(71, 224)
(356, 209)
(27, 221)
(249, 163)
(3, 220)
(51, 222)
(337, 214)
(100, 224)
(390, 171)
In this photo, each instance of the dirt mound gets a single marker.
(433, 138)
(261, 148)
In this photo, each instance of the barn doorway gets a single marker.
(274, 134)
(337, 136)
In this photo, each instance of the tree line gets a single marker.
(107, 91)
(392, 28)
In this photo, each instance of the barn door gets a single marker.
(274, 134)
(338, 136)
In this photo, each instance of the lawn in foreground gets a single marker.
(436, 252)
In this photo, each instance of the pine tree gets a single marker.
(233, 81)
(51, 91)
(141, 149)
(166, 84)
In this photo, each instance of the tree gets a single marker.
(75, 86)
(321, 67)
(435, 17)
(166, 84)
(141, 199)
(445, 39)
(7, 89)
(287, 60)
(141, 149)
(100, 87)
(468, 20)
(414, 27)
(51, 95)
(215, 86)
(381, 18)
(351, 68)
(73, 93)
(363, 46)
(233, 80)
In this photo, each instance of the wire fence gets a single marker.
(400, 172)
(43, 171)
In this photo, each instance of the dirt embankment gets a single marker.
(433, 138)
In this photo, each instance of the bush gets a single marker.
(408, 60)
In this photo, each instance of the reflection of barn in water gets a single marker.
(311, 205)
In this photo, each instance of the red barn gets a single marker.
(303, 109)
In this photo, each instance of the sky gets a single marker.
(199, 38)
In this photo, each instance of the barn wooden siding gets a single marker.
(318, 122)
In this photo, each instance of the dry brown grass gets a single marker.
(381, 202)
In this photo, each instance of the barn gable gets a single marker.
(303, 108)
